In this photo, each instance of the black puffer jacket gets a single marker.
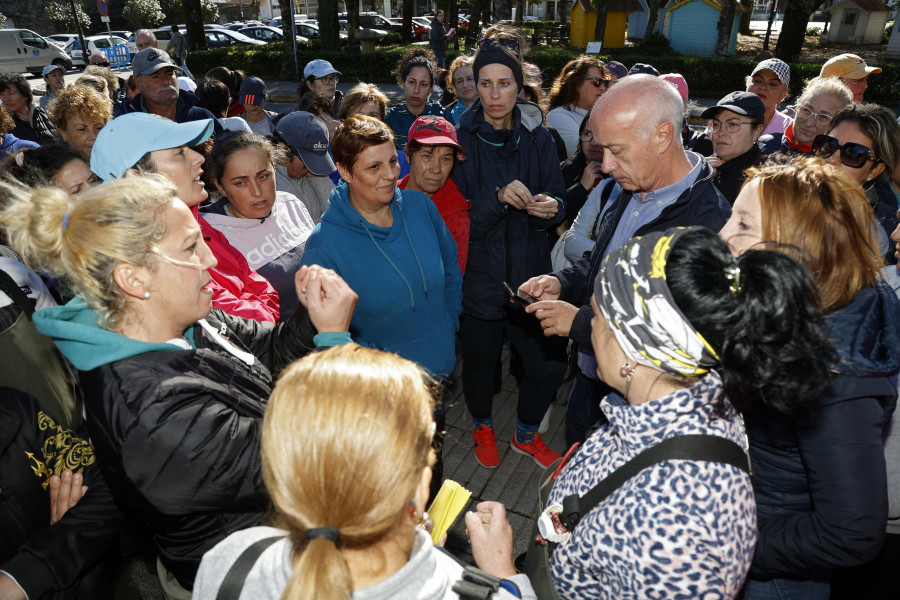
(177, 431)
(820, 482)
(40, 130)
(60, 560)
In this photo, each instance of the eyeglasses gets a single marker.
(328, 79)
(852, 155)
(102, 64)
(597, 81)
(804, 113)
(730, 126)
(586, 135)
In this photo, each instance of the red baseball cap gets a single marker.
(431, 130)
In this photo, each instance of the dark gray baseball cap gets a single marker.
(151, 60)
(307, 135)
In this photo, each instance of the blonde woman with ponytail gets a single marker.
(174, 390)
(346, 453)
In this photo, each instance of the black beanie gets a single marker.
(496, 54)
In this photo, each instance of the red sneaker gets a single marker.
(486, 447)
(536, 449)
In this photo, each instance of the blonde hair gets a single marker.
(112, 82)
(360, 95)
(817, 208)
(113, 223)
(826, 86)
(83, 101)
(346, 436)
(98, 83)
(459, 61)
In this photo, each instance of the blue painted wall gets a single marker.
(692, 29)
(637, 22)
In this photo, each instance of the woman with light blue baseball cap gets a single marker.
(321, 78)
(148, 143)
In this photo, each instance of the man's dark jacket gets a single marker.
(701, 204)
(184, 112)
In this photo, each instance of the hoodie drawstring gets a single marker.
(412, 299)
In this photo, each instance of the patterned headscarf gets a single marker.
(635, 300)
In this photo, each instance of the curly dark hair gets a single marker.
(18, 82)
(416, 56)
(768, 335)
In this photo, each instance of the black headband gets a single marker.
(324, 533)
(488, 55)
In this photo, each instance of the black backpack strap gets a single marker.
(12, 289)
(233, 582)
(604, 198)
(708, 448)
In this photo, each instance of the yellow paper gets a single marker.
(447, 505)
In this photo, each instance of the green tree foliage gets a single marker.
(209, 10)
(60, 14)
(2, 20)
(143, 13)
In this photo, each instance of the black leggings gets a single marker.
(543, 360)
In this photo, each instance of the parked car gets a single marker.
(267, 34)
(62, 39)
(419, 31)
(422, 27)
(94, 43)
(122, 34)
(212, 26)
(311, 31)
(372, 20)
(344, 30)
(22, 50)
(218, 38)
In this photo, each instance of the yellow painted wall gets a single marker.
(582, 25)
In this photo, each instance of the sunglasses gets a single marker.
(102, 64)
(597, 81)
(507, 44)
(852, 155)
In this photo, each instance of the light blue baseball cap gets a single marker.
(125, 140)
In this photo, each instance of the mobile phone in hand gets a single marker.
(519, 296)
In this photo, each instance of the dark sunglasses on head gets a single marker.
(852, 155)
(102, 64)
(507, 44)
(597, 81)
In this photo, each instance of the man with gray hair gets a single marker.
(144, 38)
(654, 184)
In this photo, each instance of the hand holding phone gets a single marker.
(519, 296)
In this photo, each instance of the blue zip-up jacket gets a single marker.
(819, 479)
(406, 275)
(505, 243)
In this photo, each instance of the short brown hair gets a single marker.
(819, 210)
(459, 61)
(360, 95)
(354, 135)
(565, 87)
(83, 101)
(6, 122)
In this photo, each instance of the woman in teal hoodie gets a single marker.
(394, 250)
(392, 247)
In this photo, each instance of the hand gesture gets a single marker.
(543, 287)
(492, 539)
(543, 206)
(556, 316)
(592, 172)
(516, 194)
(65, 492)
(327, 297)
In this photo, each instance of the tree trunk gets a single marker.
(479, 8)
(563, 8)
(520, 12)
(328, 25)
(746, 16)
(287, 27)
(453, 19)
(600, 30)
(193, 18)
(726, 22)
(793, 28)
(407, 15)
(652, 14)
(352, 20)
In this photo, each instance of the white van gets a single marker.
(23, 50)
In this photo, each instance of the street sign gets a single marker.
(102, 8)
(104, 19)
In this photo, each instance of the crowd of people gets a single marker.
(237, 330)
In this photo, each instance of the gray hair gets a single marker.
(145, 32)
(826, 86)
(655, 99)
